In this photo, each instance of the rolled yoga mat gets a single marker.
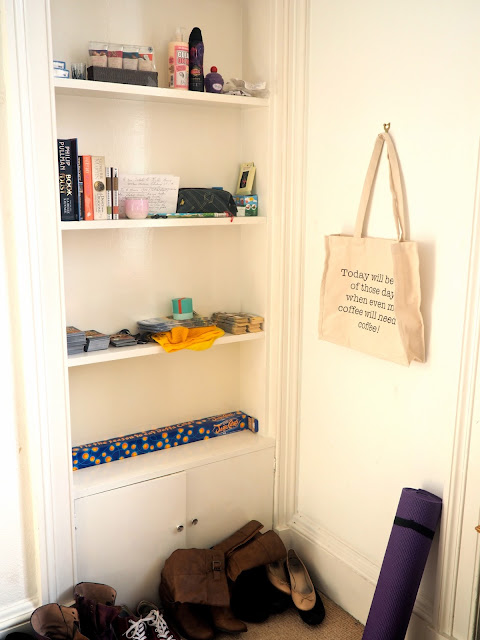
(412, 533)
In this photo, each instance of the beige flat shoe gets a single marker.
(278, 576)
(303, 591)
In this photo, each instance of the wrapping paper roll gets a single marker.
(413, 529)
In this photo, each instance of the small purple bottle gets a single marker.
(213, 81)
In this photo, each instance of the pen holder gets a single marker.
(182, 308)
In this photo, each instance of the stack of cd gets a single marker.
(96, 340)
(122, 339)
(166, 323)
(76, 340)
(238, 323)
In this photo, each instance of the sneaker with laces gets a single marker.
(128, 625)
(156, 620)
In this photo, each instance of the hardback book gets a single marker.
(108, 187)
(99, 188)
(87, 187)
(76, 179)
(68, 179)
(81, 198)
(115, 208)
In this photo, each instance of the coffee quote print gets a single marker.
(370, 297)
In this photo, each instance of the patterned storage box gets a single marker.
(136, 444)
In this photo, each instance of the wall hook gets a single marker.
(386, 127)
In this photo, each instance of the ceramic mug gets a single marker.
(136, 208)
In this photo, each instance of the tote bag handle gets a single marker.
(395, 187)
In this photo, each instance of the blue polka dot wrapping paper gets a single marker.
(136, 444)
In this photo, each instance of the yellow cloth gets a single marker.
(197, 339)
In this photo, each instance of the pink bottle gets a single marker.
(213, 81)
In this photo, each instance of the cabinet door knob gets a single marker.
(195, 521)
(180, 527)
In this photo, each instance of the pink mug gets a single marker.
(136, 208)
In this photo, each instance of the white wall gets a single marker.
(368, 427)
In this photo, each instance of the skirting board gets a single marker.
(345, 576)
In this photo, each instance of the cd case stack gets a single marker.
(166, 323)
(96, 341)
(76, 341)
(122, 340)
(238, 323)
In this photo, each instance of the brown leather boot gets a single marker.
(239, 538)
(262, 550)
(196, 576)
(95, 605)
(225, 622)
(54, 622)
(190, 620)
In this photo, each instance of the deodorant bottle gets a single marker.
(178, 61)
(196, 50)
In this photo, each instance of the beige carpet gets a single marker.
(337, 625)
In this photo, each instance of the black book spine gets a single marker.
(66, 180)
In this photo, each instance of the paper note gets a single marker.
(160, 190)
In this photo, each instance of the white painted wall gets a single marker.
(368, 427)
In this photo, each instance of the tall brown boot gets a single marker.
(190, 620)
(54, 622)
(262, 550)
(95, 604)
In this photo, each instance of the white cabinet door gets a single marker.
(124, 536)
(223, 496)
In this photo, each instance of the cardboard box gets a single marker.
(246, 205)
(136, 444)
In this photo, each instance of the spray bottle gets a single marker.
(178, 61)
(196, 49)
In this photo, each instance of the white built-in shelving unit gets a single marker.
(116, 273)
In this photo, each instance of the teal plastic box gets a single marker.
(136, 444)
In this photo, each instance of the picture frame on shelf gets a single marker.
(245, 179)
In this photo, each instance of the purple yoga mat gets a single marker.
(417, 517)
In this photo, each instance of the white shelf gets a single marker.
(121, 473)
(139, 350)
(159, 223)
(91, 89)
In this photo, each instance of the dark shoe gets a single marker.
(54, 622)
(316, 614)
(251, 595)
(224, 620)
(304, 595)
(192, 621)
(151, 615)
(96, 608)
(128, 625)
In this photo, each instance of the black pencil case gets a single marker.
(203, 200)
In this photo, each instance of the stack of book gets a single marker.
(76, 340)
(166, 323)
(96, 341)
(88, 188)
(238, 323)
(122, 340)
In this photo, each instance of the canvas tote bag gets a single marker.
(370, 293)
